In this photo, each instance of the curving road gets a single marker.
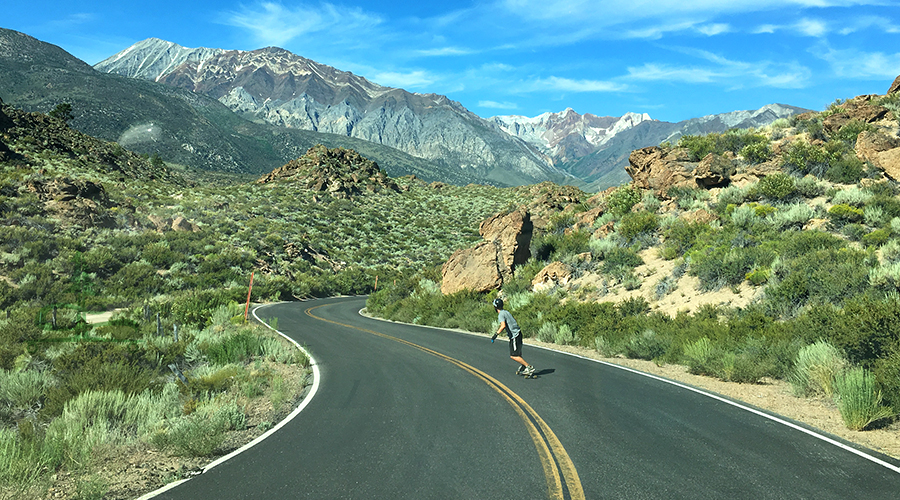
(412, 412)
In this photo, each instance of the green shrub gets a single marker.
(193, 436)
(700, 357)
(623, 199)
(698, 145)
(98, 367)
(681, 236)
(815, 369)
(646, 345)
(793, 217)
(858, 399)
(851, 130)
(877, 237)
(758, 152)
(620, 261)
(634, 225)
(843, 213)
(776, 187)
(23, 389)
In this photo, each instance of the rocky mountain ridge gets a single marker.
(278, 87)
(181, 126)
(595, 149)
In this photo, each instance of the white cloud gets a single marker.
(408, 80)
(272, 23)
(570, 85)
(498, 105)
(722, 71)
(714, 29)
(812, 27)
(444, 51)
(855, 64)
(668, 72)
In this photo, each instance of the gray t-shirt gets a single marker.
(512, 328)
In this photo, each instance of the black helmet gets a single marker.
(498, 303)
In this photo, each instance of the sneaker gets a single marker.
(521, 370)
(529, 370)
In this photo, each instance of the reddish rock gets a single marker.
(881, 151)
(895, 87)
(513, 233)
(485, 266)
(554, 274)
(714, 170)
(657, 169)
(472, 269)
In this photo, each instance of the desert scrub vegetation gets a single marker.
(66, 398)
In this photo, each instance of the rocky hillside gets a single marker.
(341, 173)
(834, 171)
(596, 149)
(278, 87)
(181, 126)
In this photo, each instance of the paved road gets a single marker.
(410, 412)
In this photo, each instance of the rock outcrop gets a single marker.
(659, 169)
(178, 224)
(340, 172)
(553, 275)
(895, 87)
(881, 151)
(75, 201)
(507, 238)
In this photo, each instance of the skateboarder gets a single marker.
(508, 323)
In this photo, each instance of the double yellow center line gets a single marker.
(562, 478)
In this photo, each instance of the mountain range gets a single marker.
(252, 111)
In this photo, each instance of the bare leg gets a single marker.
(518, 359)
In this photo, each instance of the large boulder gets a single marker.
(881, 151)
(473, 268)
(714, 170)
(895, 87)
(658, 169)
(553, 275)
(513, 234)
(507, 242)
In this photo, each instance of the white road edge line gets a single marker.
(773, 418)
(306, 400)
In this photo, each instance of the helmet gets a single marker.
(498, 303)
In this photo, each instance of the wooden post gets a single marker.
(249, 291)
(376, 282)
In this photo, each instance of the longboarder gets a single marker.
(508, 324)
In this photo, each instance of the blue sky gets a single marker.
(672, 59)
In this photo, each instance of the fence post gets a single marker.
(249, 291)
(175, 331)
(376, 282)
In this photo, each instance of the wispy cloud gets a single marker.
(714, 29)
(272, 23)
(444, 51)
(406, 80)
(857, 64)
(723, 71)
(570, 85)
(498, 105)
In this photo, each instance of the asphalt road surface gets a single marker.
(411, 412)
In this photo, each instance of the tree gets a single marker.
(63, 111)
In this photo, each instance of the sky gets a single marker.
(671, 59)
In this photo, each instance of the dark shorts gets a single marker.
(515, 346)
